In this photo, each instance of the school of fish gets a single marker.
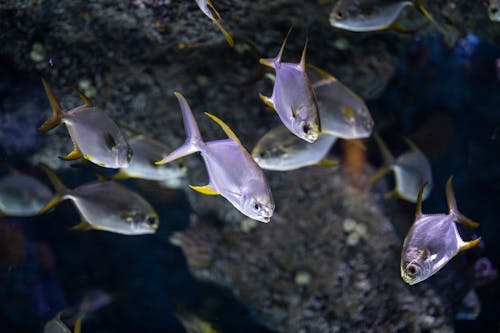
(315, 110)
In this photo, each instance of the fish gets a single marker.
(106, 206)
(22, 195)
(232, 172)
(470, 307)
(280, 150)
(293, 97)
(494, 10)
(411, 169)
(375, 15)
(209, 10)
(194, 324)
(433, 239)
(343, 113)
(142, 165)
(56, 325)
(95, 136)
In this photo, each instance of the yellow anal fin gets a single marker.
(268, 62)
(267, 101)
(82, 226)
(51, 204)
(229, 132)
(122, 174)
(328, 163)
(224, 32)
(73, 155)
(470, 245)
(207, 189)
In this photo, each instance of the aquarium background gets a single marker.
(130, 56)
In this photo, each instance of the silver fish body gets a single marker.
(343, 113)
(142, 165)
(55, 325)
(433, 240)
(280, 150)
(232, 172)
(22, 195)
(293, 97)
(366, 15)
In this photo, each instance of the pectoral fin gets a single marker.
(207, 189)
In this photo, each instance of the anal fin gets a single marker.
(327, 163)
(73, 155)
(82, 226)
(470, 244)
(207, 189)
(269, 102)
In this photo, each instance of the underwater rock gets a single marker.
(327, 261)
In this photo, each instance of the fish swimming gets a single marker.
(411, 169)
(280, 150)
(106, 206)
(343, 113)
(494, 10)
(433, 240)
(293, 97)
(56, 325)
(232, 171)
(142, 165)
(95, 136)
(209, 10)
(374, 15)
(22, 195)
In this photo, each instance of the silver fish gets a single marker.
(280, 150)
(106, 206)
(56, 325)
(209, 10)
(411, 169)
(494, 10)
(95, 136)
(142, 165)
(293, 97)
(366, 15)
(433, 240)
(22, 195)
(232, 171)
(343, 113)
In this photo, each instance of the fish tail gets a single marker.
(57, 113)
(60, 189)
(193, 142)
(452, 204)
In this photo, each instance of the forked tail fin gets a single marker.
(57, 113)
(193, 140)
(60, 189)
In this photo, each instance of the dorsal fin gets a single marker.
(322, 73)
(386, 153)
(280, 53)
(453, 209)
(418, 210)
(229, 132)
(411, 144)
(302, 62)
(84, 98)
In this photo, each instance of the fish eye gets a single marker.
(412, 269)
(180, 166)
(493, 9)
(339, 15)
(262, 154)
(151, 220)
(256, 206)
(306, 129)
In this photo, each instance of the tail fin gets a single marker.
(452, 204)
(59, 187)
(57, 113)
(387, 156)
(193, 140)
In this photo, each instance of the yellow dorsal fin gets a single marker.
(85, 99)
(207, 189)
(302, 62)
(229, 132)
(418, 210)
(411, 144)
(324, 74)
(267, 101)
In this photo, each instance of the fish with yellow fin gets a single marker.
(343, 113)
(142, 165)
(232, 171)
(95, 136)
(433, 239)
(280, 150)
(107, 206)
(56, 325)
(293, 97)
(22, 194)
(411, 169)
(209, 10)
(375, 15)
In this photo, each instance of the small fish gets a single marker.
(374, 15)
(56, 325)
(142, 165)
(232, 171)
(433, 240)
(293, 97)
(280, 150)
(22, 195)
(106, 206)
(494, 10)
(410, 170)
(209, 10)
(470, 307)
(95, 136)
(191, 322)
(343, 113)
